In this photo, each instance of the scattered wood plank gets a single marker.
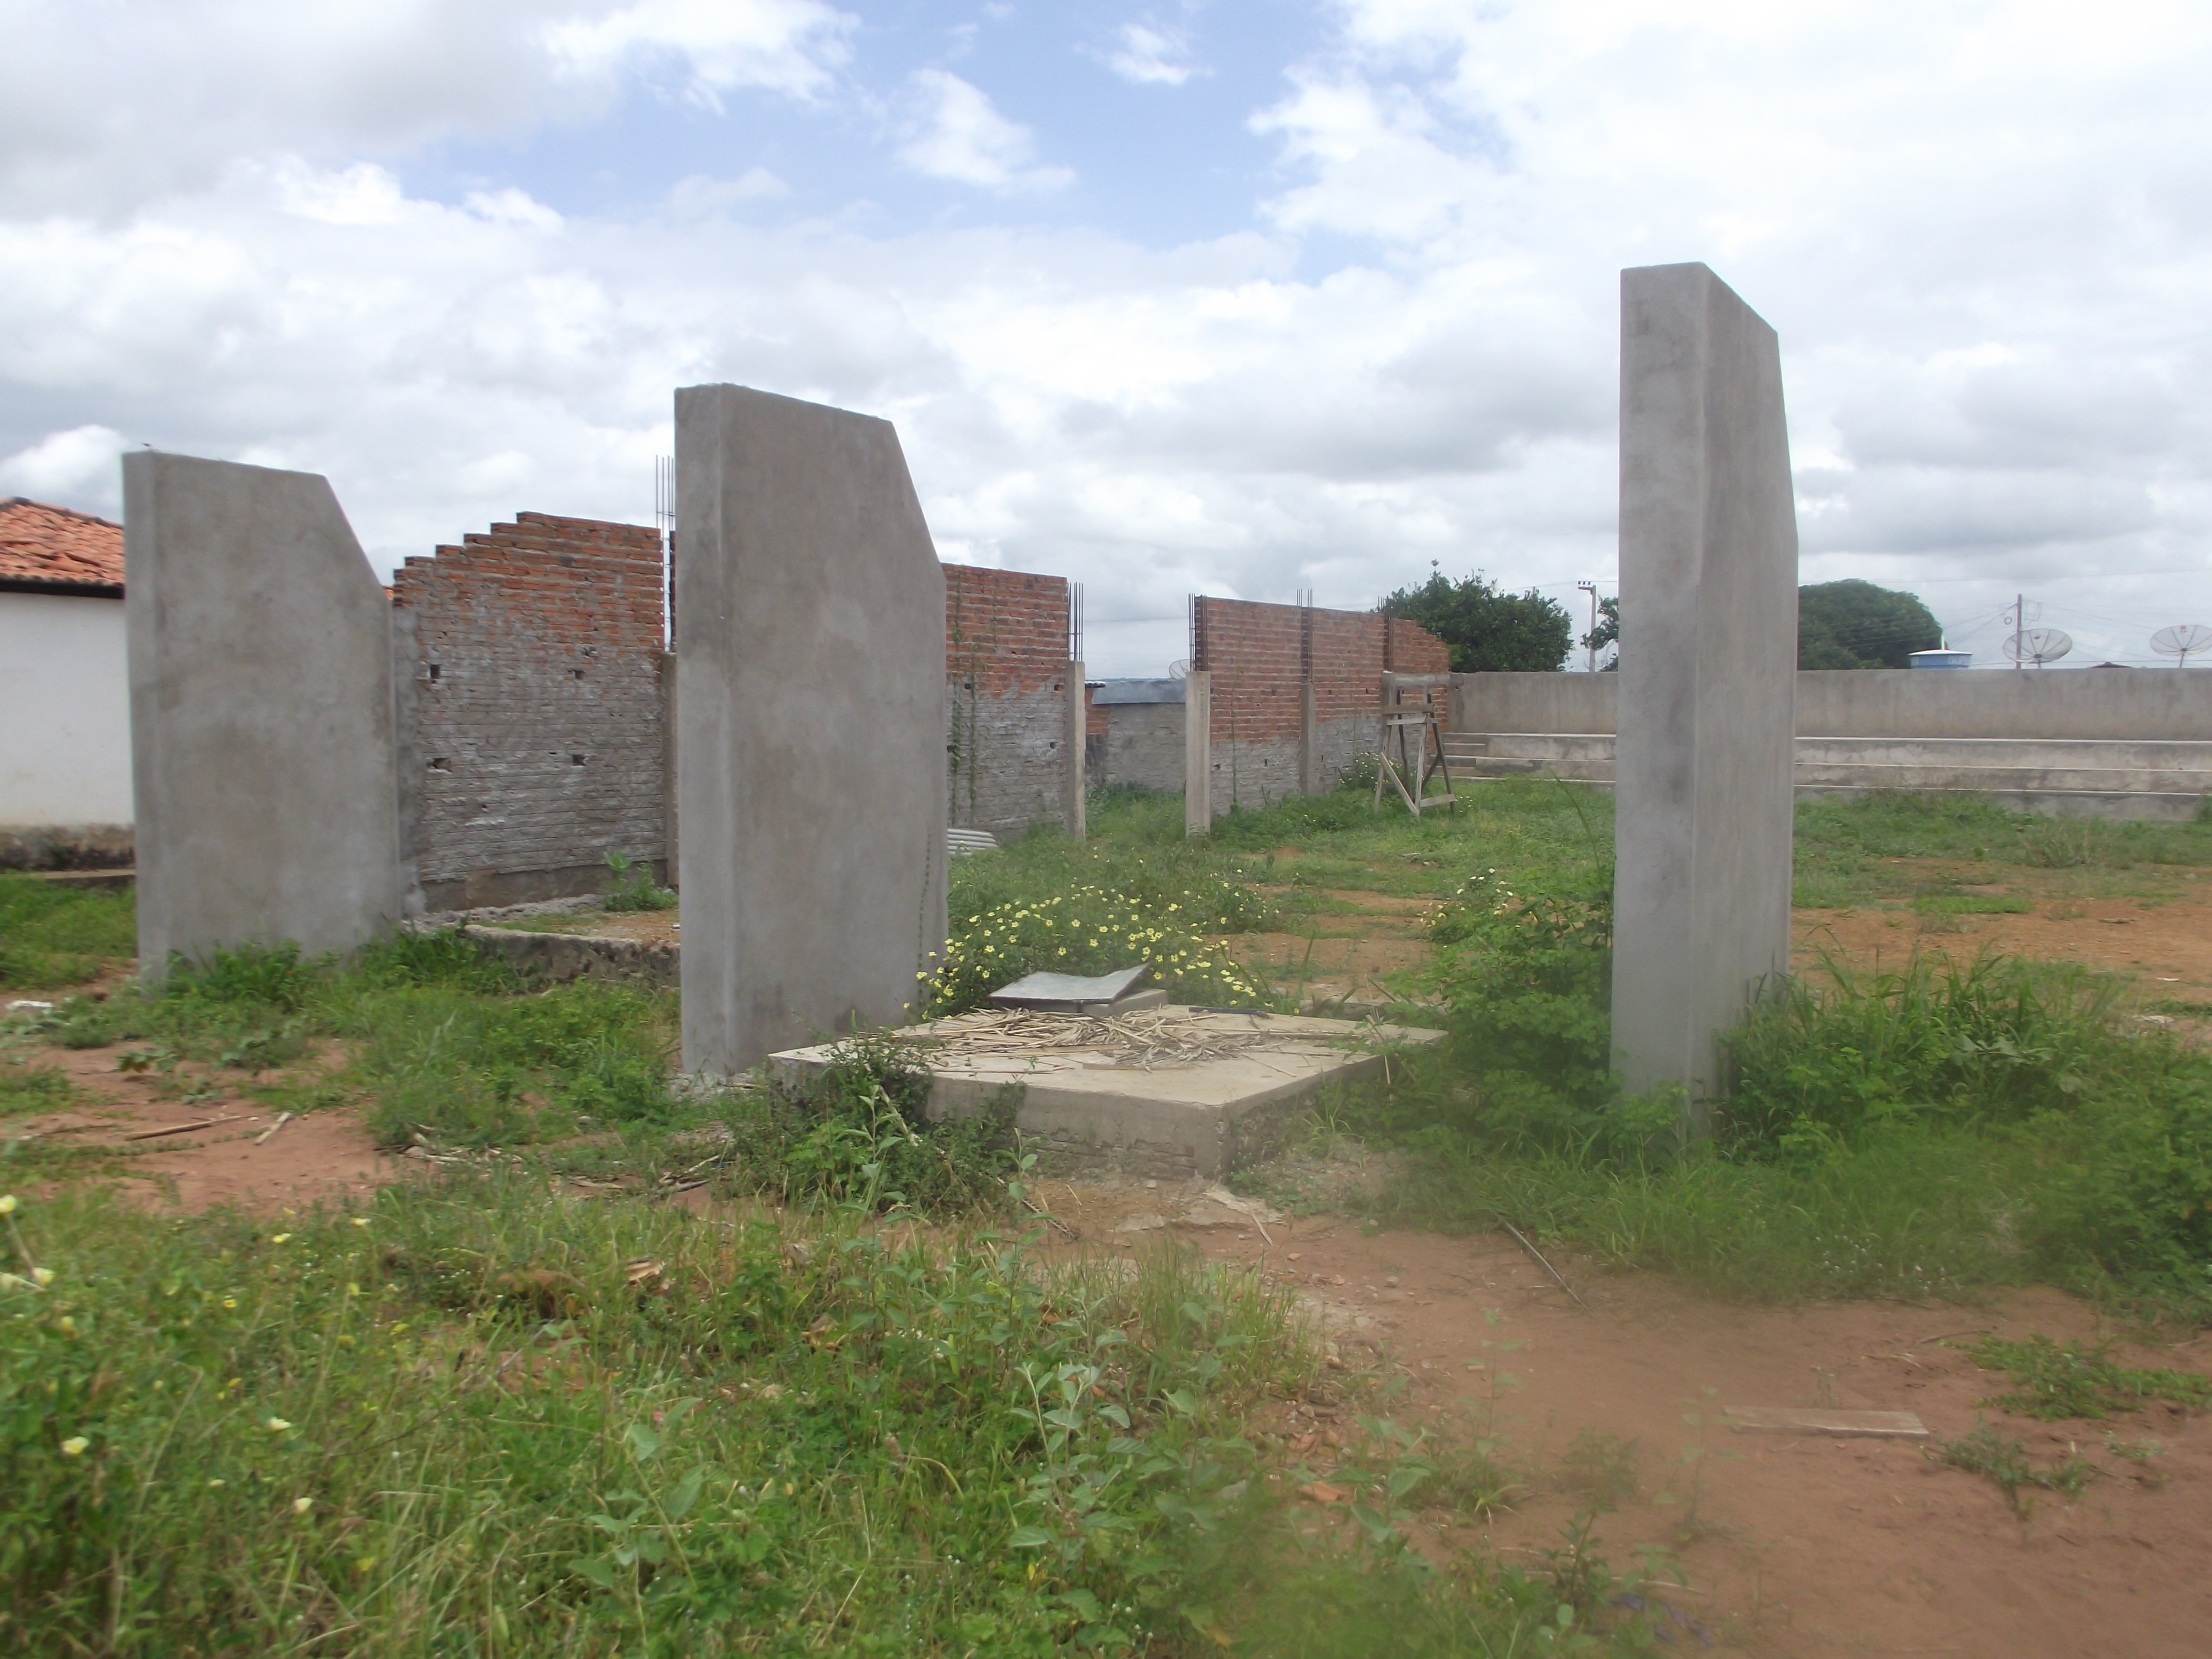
(179, 1128)
(1788, 1420)
(283, 1118)
(1522, 1239)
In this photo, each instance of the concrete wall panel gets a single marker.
(2127, 704)
(261, 711)
(811, 724)
(1709, 604)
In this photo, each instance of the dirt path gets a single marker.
(318, 1155)
(1806, 1547)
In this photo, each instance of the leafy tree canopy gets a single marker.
(1487, 629)
(1856, 624)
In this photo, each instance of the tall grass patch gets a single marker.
(52, 935)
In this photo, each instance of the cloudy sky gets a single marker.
(1235, 296)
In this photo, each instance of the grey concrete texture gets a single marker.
(1143, 746)
(262, 713)
(1198, 753)
(1709, 654)
(811, 724)
(2120, 704)
(1081, 1109)
(1073, 736)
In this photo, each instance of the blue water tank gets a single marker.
(1942, 658)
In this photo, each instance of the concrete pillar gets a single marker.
(811, 721)
(1073, 740)
(1309, 779)
(670, 839)
(262, 713)
(1198, 753)
(1709, 602)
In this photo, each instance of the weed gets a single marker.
(1694, 1458)
(1603, 1469)
(2004, 1458)
(26, 1089)
(633, 887)
(2052, 1381)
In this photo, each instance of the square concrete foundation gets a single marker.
(1086, 1107)
(1708, 676)
(810, 725)
(262, 713)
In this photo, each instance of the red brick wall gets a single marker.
(1006, 670)
(1257, 656)
(538, 730)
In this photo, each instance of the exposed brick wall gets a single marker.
(1259, 655)
(1006, 666)
(537, 742)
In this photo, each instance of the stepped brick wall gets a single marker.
(538, 743)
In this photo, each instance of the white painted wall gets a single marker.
(64, 712)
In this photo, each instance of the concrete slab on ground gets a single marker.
(1170, 1091)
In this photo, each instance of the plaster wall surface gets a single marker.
(261, 709)
(64, 714)
(811, 724)
(1709, 604)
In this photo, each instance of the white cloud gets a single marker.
(789, 47)
(1980, 229)
(76, 467)
(1151, 55)
(958, 135)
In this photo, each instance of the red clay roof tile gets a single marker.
(57, 546)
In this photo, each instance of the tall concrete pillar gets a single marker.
(1071, 741)
(1708, 673)
(262, 713)
(811, 720)
(1198, 753)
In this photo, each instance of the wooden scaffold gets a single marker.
(1412, 750)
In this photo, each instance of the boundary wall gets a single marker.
(2129, 743)
(1007, 679)
(1297, 690)
(538, 743)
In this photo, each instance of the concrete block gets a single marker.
(1198, 753)
(1708, 676)
(262, 713)
(811, 724)
(1084, 1102)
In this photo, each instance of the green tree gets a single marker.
(1608, 631)
(1856, 624)
(1486, 629)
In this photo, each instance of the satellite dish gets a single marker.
(2183, 639)
(2039, 646)
(1179, 668)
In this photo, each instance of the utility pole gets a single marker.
(1590, 638)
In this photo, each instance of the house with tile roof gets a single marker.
(64, 689)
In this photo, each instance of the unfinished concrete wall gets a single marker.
(811, 724)
(262, 716)
(1260, 657)
(1139, 734)
(538, 696)
(1709, 651)
(1007, 681)
(2142, 705)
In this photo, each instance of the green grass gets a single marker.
(478, 1419)
(52, 935)
(2054, 1381)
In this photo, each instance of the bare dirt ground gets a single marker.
(316, 1156)
(1802, 1547)
(2168, 943)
